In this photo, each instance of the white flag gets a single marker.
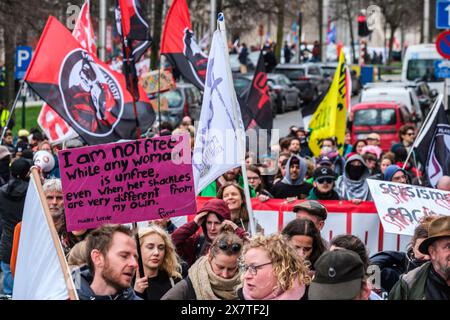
(38, 274)
(216, 147)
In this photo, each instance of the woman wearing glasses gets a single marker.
(255, 180)
(214, 276)
(272, 270)
(324, 179)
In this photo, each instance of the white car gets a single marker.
(401, 94)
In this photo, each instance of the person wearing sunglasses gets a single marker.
(272, 270)
(324, 179)
(407, 135)
(214, 276)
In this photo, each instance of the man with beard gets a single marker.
(112, 262)
(431, 281)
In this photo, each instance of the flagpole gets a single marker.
(11, 112)
(54, 234)
(241, 150)
(138, 245)
(130, 81)
(430, 117)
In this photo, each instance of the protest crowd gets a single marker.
(221, 251)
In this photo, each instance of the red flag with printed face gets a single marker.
(54, 127)
(180, 46)
(84, 91)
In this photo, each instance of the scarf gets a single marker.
(294, 293)
(209, 286)
(353, 189)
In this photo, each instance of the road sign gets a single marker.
(442, 69)
(23, 59)
(443, 44)
(443, 15)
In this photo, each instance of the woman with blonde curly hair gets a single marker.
(161, 264)
(272, 270)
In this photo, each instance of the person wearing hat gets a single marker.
(330, 149)
(373, 139)
(211, 218)
(324, 179)
(5, 158)
(340, 275)
(293, 184)
(396, 174)
(314, 211)
(12, 200)
(431, 281)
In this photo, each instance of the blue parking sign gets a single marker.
(442, 69)
(442, 14)
(23, 59)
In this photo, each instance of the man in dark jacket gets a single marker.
(112, 263)
(189, 244)
(12, 201)
(431, 281)
(324, 179)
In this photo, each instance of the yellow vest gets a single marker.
(4, 116)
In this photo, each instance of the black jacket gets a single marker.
(158, 286)
(183, 290)
(12, 201)
(83, 279)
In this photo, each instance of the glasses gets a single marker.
(253, 178)
(399, 178)
(325, 180)
(253, 269)
(224, 246)
(410, 133)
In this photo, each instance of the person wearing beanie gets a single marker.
(211, 218)
(293, 184)
(396, 174)
(12, 200)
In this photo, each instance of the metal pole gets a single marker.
(212, 21)
(11, 112)
(241, 146)
(102, 30)
(426, 21)
(24, 99)
(324, 30)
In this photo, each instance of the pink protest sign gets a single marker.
(127, 182)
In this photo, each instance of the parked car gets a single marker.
(307, 77)
(242, 85)
(287, 95)
(382, 117)
(184, 100)
(396, 92)
(329, 69)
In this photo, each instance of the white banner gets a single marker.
(401, 206)
(216, 145)
(38, 274)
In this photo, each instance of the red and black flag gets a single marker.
(433, 144)
(179, 45)
(136, 39)
(83, 90)
(258, 99)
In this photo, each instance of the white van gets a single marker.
(418, 63)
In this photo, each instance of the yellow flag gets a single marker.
(329, 120)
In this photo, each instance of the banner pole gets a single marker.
(138, 245)
(54, 234)
(11, 112)
(127, 51)
(239, 130)
(429, 118)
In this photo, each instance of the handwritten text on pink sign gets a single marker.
(127, 182)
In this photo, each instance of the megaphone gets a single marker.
(44, 160)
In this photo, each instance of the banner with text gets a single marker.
(126, 182)
(344, 217)
(401, 206)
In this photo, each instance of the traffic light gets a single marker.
(363, 30)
